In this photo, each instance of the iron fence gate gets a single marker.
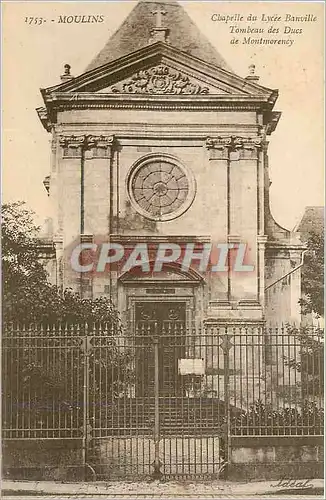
(156, 421)
(164, 401)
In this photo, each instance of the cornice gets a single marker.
(135, 128)
(75, 98)
(44, 118)
(66, 102)
(271, 119)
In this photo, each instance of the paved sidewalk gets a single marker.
(187, 490)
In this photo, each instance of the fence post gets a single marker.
(87, 428)
(226, 346)
(157, 463)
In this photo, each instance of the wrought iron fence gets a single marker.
(163, 401)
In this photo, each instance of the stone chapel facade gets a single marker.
(159, 98)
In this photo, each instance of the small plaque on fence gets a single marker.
(193, 366)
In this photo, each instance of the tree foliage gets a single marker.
(310, 362)
(27, 294)
(313, 276)
(44, 384)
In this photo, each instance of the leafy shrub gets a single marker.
(262, 420)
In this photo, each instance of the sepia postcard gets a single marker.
(163, 249)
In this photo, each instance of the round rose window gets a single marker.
(160, 189)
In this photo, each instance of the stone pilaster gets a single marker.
(54, 186)
(84, 191)
(218, 161)
(240, 157)
(244, 211)
(295, 285)
(71, 185)
(87, 164)
(59, 257)
(86, 279)
(97, 187)
(261, 242)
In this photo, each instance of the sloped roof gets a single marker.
(311, 222)
(134, 34)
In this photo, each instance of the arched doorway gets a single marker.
(165, 323)
(163, 307)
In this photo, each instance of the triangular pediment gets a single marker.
(160, 69)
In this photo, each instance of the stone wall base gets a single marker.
(43, 459)
(276, 457)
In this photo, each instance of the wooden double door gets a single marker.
(164, 323)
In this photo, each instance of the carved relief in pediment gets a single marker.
(159, 80)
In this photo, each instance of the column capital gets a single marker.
(99, 146)
(246, 146)
(72, 140)
(218, 147)
(72, 145)
(251, 146)
(262, 239)
(99, 140)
